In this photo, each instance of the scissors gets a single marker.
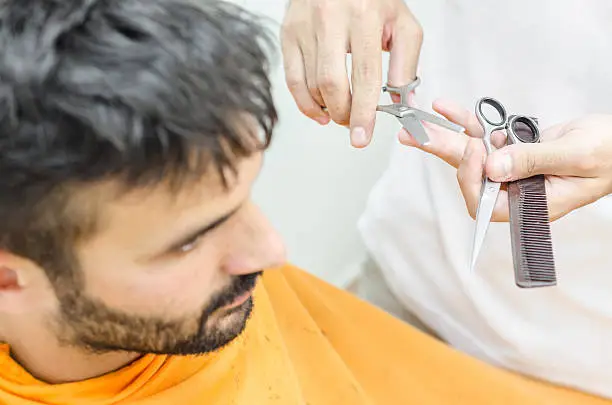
(490, 189)
(410, 117)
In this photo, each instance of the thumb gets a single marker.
(519, 161)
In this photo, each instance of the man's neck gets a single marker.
(46, 360)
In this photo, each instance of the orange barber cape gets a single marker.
(307, 343)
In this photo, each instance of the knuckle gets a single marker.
(588, 165)
(292, 25)
(361, 8)
(411, 26)
(321, 10)
(286, 30)
(307, 108)
(368, 71)
(529, 165)
(340, 118)
(328, 82)
(415, 30)
(294, 82)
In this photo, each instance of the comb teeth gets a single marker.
(532, 242)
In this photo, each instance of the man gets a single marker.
(131, 256)
(547, 59)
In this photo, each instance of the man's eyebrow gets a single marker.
(192, 235)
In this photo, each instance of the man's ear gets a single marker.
(9, 280)
(14, 275)
(10, 277)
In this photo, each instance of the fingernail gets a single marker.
(406, 138)
(359, 136)
(502, 167)
(323, 120)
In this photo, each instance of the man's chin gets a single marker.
(218, 333)
(230, 321)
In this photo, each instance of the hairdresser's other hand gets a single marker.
(575, 156)
(316, 36)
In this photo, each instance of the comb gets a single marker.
(532, 249)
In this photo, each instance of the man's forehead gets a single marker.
(193, 200)
(209, 184)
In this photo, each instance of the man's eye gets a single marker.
(187, 247)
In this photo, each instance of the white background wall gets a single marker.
(314, 184)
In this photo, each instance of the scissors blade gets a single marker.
(484, 212)
(434, 119)
(393, 109)
(415, 128)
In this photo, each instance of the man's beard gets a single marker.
(90, 324)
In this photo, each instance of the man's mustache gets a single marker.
(239, 286)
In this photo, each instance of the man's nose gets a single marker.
(254, 246)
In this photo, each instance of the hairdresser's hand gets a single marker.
(316, 36)
(576, 158)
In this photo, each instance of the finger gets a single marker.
(295, 78)
(404, 44)
(366, 49)
(565, 195)
(454, 112)
(554, 132)
(443, 143)
(559, 157)
(459, 115)
(332, 76)
(470, 175)
(498, 139)
(501, 212)
(309, 52)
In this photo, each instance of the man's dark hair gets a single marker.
(92, 90)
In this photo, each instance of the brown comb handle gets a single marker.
(531, 240)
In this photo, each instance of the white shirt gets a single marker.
(550, 59)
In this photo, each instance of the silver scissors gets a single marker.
(410, 117)
(490, 189)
